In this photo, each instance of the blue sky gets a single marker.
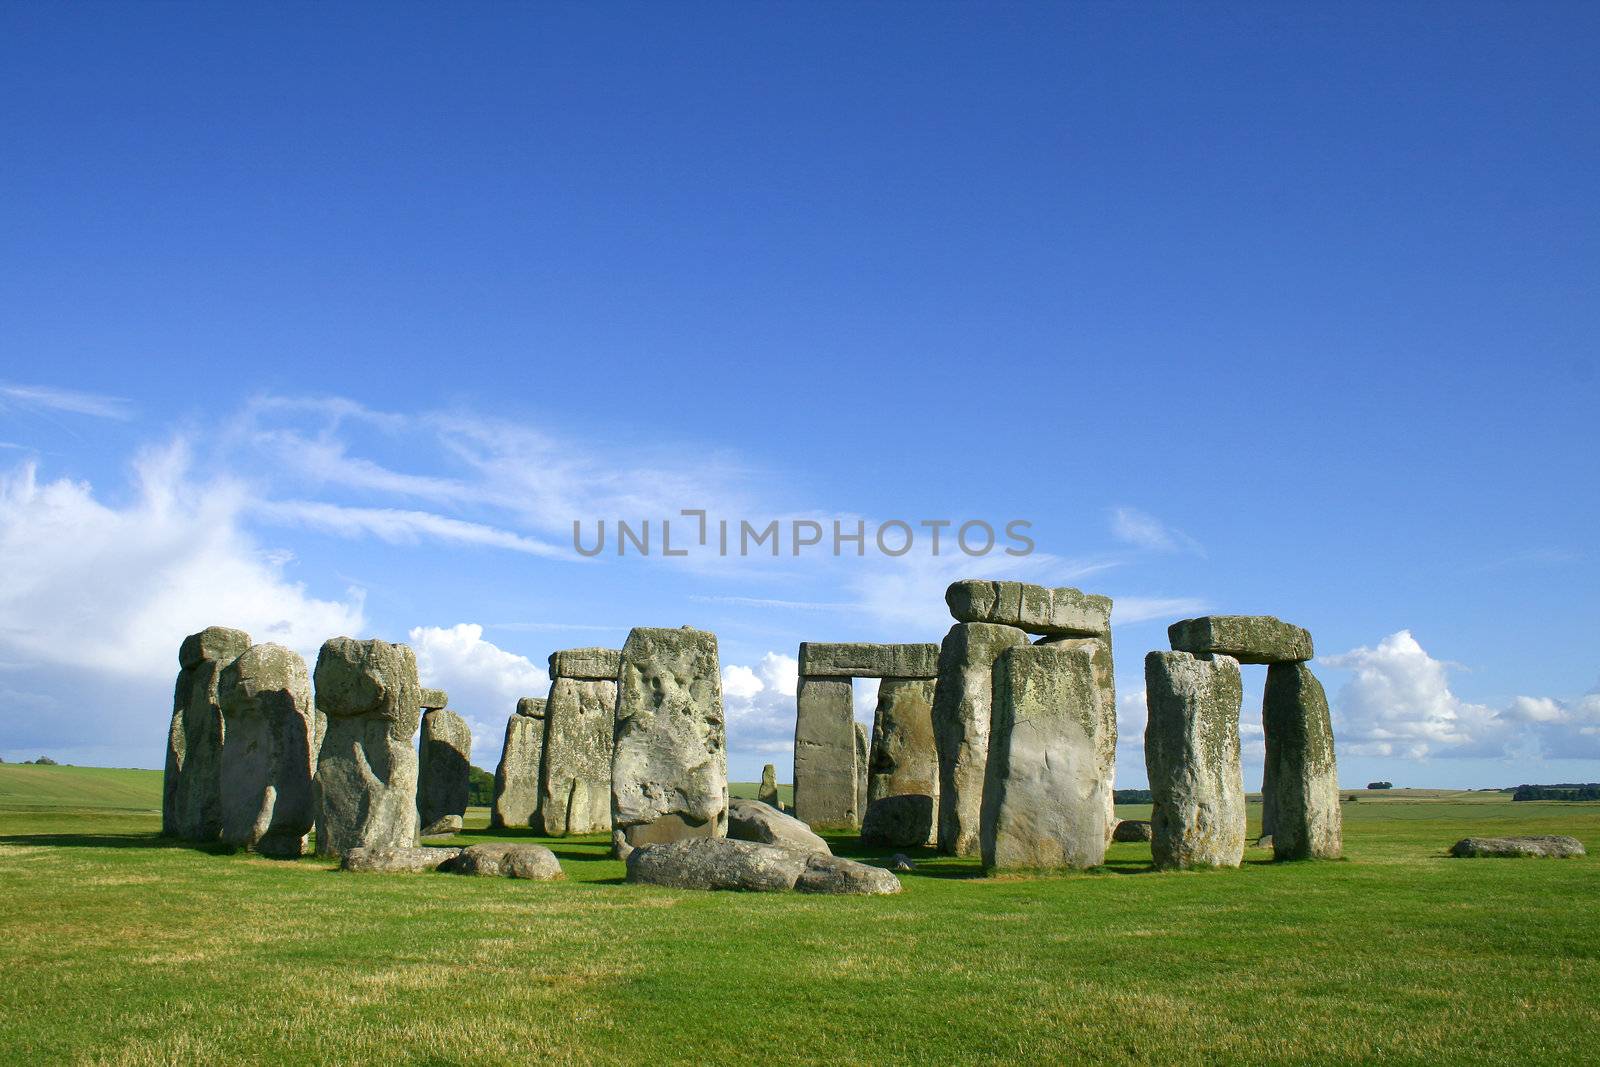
(317, 321)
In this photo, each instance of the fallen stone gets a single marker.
(580, 724)
(367, 770)
(397, 860)
(1191, 753)
(516, 778)
(500, 859)
(825, 773)
(1306, 821)
(1037, 609)
(1132, 830)
(191, 802)
(768, 793)
(902, 821)
(267, 761)
(860, 660)
(722, 863)
(751, 820)
(1246, 638)
(962, 702)
(444, 771)
(589, 664)
(1044, 805)
(903, 758)
(669, 772)
(434, 699)
(1264, 841)
(1552, 846)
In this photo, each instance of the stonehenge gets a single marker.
(1302, 780)
(1191, 752)
(962, 701)
(366, 783)
(580, 723)
(829, 762)
(191, 803)
(516, 779)
(1260, 639)
(444, 768)
(1044, 797)
(267, 759)
(669, 768)
(768, 793)
(903, 760)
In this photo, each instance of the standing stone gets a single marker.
(862, 752)
(580, 725)
(825, 775)
(768, 793)
(191, 801)
(1044, 803)
(516, 779)
(669, 771)
(962, 700)
(1269, 793)
(1191, 751)
(903, 759)
(1099, 649)
(444, 775)
(1307, 823)
(367, 771)
(268, 761)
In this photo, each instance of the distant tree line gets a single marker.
(1380, 785)
(1561, 791)
(480, 787)
(1133, 796)
(42, 761)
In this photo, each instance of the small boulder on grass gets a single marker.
(507, 860)
(1132, 830)
(1557, 846)
(397, 860)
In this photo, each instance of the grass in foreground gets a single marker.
(119, 950)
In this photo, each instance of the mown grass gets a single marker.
(119, 950)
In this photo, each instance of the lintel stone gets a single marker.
(1035, 609)
(590, 664)
(1246, 638)
(861, 660)
(434, 699)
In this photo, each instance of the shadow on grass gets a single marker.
(112, 841)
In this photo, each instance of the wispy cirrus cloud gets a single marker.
(68, 401)
(1143, 530)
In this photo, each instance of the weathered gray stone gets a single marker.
(1306, 822)
(902, 821)
(903, 757)
(580, 724)
(768, 793)
(1105, 678)
(825, 775)
(1191, 752)
(434, 699)
(397, 860)
(860, 660)
(1062, 611)
(1132, 830)
(1269, 798)
(669, 773)
(588, 664)
(962, 702)
(1246, 638)
(751, 820)
(267, 762)
(191, 802)
(901, 862)
(722, 863)
(444, 772)
(1553, 846)
(1044, 804)
(366, 784)
(863, 750)
(505, 859)
(516, 777)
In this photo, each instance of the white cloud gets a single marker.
(484, 681)
(1131, 609)
(70, 401)
(759, 704)
(400, 527)
(1144, 530)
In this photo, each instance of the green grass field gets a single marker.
(121, 949)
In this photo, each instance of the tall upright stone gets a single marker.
(768, 793)
(962, 703)
(669, 770)
(268, 760)
(1191, 751)
(516, 778)
(191, 801)
(825, 776)
(1307, 822)
(580, 728)
(902, 759)
(1044, 801)
(1099, 650)
(444, 772)
(1269, 794)
(366, 784)
(863, 751)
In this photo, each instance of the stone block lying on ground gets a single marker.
(751, 820)
(397, 860)
(722, 863)
(502, 859)
(861, 660)
(1549, 846)
(1061, 611)
(1246, 638)
(1131, 830)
